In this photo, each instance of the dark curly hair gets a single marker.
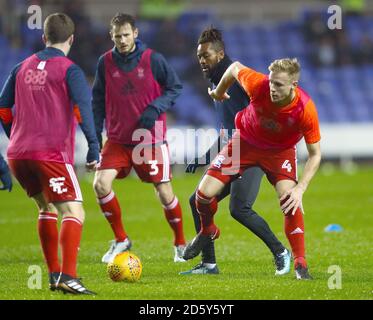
(214, 36)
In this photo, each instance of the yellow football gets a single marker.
(126, 266)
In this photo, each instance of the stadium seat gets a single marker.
(255, 45)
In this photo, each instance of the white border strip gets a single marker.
(71, 219)
(172, 205)
(107, 198)
(75, 182)
(47, 218)
(166, 163)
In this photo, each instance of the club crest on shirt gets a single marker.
(140, 72)
(270, 124)
(291, 121)
(129, 88)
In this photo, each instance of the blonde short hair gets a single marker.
(289, 65)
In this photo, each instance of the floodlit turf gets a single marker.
(247, 271)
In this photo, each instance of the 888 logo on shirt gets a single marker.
(36, 79)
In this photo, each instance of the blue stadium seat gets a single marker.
(180, 64)
(339, 113)
(322, 114)
(3, 43)
(360, 110)
(366, 71)
(190, 107)
(326, 73)
(148, 29)
(192, 22)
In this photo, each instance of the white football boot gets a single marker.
(179, 251)
(116, 248)
(282, 262)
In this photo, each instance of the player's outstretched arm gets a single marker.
(312, 164)
(228, 78)
(295, 194)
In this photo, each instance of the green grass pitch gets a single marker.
(246, 267)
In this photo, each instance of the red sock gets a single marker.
(174, 218)
(71, 231)
(111, 210)
(294, 229)
(206, 208)
(48, 235)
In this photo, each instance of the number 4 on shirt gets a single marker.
(287, 165)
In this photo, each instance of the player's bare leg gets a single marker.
(43, 204)
(210, 186)
(110, 208)
(103, 181)
(207, 206)
(173, 214)
(294, 230)
(164, 192)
